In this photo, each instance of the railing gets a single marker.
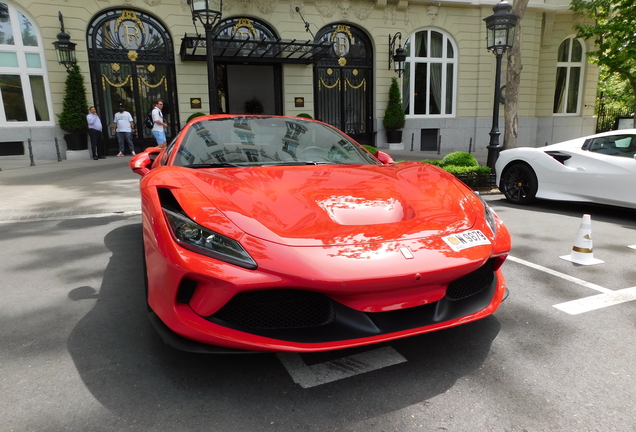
(607, 118)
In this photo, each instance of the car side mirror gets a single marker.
(142, 162)
(385, 158)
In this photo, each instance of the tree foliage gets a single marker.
(612, 33)
(614, 92)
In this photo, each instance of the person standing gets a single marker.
(158, 129)
(124, 127)
(95, 133)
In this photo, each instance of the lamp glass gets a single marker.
(398, 60)
(65, 52)
(501, 36)
(206, 10)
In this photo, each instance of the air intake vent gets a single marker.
(472, 283)
(277, 309)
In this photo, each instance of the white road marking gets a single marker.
(599, 301)
(562, 275)
(323, 373)
(632, 246)
(586, 304)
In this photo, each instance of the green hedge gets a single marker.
(460, 158)
(465, 167)
(371, 149)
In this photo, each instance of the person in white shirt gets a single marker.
(124, 127)
(158, 128)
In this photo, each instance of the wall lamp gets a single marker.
(64, 48)
(398, 57)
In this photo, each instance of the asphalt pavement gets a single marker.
(79, 354)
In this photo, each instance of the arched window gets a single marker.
(24, 89)
(430, 76)
(569, 77)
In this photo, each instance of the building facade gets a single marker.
(326, 58)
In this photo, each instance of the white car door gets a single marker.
(605, 172)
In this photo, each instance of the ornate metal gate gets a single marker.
(132, 62)
(343, 82)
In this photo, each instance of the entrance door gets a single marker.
(132, 62)
(343, 82)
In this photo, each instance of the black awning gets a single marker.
(193, 48)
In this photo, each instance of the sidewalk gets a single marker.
(70, 188)
(73, 188)
(408, 155)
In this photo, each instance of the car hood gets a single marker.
(331, 205)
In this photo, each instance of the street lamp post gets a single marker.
(500, 31)
(208, 12)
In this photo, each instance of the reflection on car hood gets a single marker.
(319, 205)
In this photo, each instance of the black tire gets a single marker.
(519, 183)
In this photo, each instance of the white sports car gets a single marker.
(598, 168)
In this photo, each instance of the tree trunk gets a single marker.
(513, 79)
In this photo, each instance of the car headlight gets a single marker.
(489, 215)
(199, 239)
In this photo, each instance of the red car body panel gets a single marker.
(342, 231)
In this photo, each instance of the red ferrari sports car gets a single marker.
(267, 233)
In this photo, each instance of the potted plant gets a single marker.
(394, 118)
(72, 119)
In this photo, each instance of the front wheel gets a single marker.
(519, 183)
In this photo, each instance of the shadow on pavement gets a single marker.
(148, 385)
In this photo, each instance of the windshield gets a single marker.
(258, 141)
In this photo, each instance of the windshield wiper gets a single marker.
(212, 165)
(300, 163)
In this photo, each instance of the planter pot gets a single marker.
(479, 182)
(76, 141)
(393, 136)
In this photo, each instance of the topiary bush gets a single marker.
(394, 117)
(460, 158)
(72, 119)
(304, 115)
(196, 114)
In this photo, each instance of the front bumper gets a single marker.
(259, 324)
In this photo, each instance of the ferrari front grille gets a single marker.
(277, 309)
(472, 283)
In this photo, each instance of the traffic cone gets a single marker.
(582, 249)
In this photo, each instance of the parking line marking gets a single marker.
(599, 301)
(561, 275)
(323, 373)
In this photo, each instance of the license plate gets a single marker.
(465, 240)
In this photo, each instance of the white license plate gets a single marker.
(466, 240)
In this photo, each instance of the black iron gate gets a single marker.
(132, 62)
(343, 82)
